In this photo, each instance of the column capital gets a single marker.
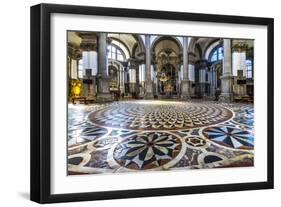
(141, 61)
(133, 63)
(201, 64)
(74, 52)
(239, 47)
(89, 41)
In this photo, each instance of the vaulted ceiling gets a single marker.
(74, 39)
(167, 46)
(160, 45)
(127, 39)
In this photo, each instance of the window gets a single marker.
(220, 53)
(119, 55)
(217, 54)
(80, 68)
(249, 69)
(214, 56)
(114, 53)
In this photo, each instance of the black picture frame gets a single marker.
(41, 95)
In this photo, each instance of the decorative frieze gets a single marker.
(239, 47)
(89, 41)
(74, 52)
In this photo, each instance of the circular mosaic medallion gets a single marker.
(245, 117)
(195, 141)
(147, 150)
(87, 132)
(230, 137)
(159, 115)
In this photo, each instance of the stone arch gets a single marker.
(122, 43)
(212, 45)
(200, 53)
(171, 38)
(192, 44)
(115, 63)
(140, 41)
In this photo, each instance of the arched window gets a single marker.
(249, 69)
(115, 53)
(216, 54)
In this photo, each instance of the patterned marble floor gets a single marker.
(159, 135)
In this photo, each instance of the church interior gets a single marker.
(141, 102)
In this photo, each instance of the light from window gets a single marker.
(220, 53)
(214, 56)
(217, 54)
(249, 69)
(114, 53)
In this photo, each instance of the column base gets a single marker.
(185, 95)
(133, 93)
(226, 97)
(103, 94)
(149, 96)
(149, 91)
(226, 88)
(104, 97)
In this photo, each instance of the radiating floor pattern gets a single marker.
(159, 135)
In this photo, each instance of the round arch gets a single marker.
(115, 63)
(197, 46)
(123, 47)
(214, 44)
(192, 44)
(140, 41)
(162, 38)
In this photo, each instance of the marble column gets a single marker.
(185, 83)
(142, 79)
(74, 55)
(148, 81)
(191, 76)
(156, 87)
(74, 68)
(203, 67)
(227, 77)
(103, 78)
(121, 78)
(137, 81)
(239, 64)
(202, 80)
(132, 81)
(154, 80)
(126, 81)
(213, 81)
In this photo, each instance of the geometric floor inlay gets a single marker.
(147, 150)
(230, 137)
(160, 115)
(139, 135)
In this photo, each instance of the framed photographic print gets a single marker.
(132, 103)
